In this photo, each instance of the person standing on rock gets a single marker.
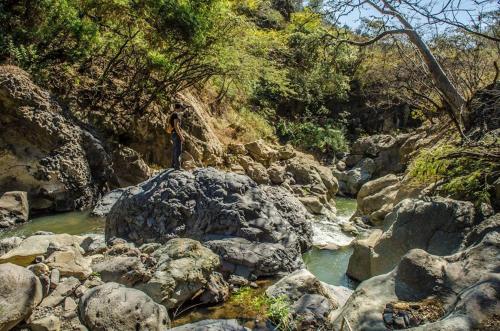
(176, 136)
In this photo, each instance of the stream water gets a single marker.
(329, 265)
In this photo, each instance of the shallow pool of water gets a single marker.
(330, 265)
(75, 223)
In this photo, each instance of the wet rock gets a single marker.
(34, 246)
(114, 307)
(20, 293)
(360, 262)
(14, 208)
(212, 325)
(312, 204)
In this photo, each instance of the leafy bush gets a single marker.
(277, 310)
(308, 135)
(458, 174)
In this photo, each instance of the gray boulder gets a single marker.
(20, 293)
(299, 283)
(125, 270)
(466, 283)
(184, 267)
(437, 225)
(113, 307)
(104, 205)
(211, 205)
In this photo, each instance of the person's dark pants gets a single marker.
(176, 151)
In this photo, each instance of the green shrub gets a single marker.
(312, 136)
(457, 174)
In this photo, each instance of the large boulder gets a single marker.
(34, 246)
(14, 208)
(383, 149)
(299, 283)
(113, 307)
(437, 225)
(311, 301)
(20, 293)
(210, 205)
(466, 284)
(60, 165)
(378, 197)
(360, 263)
(183, 269)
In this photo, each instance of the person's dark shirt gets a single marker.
(173, 117)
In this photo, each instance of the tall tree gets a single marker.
(395, 18)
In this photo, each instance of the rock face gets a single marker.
(20, 293)
(114, 307)
(60, 165)
(14, 208)
(465, 283)
(371, 157)
(211, 205)
(378, 197)
(299, 173)
(437, 225)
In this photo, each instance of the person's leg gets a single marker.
(176, 152)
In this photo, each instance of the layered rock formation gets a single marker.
(60, 165)
(297, 172)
